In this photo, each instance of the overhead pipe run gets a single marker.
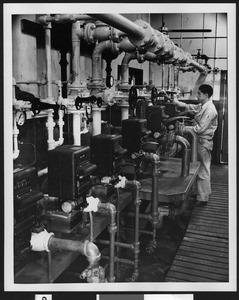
(44, 20)
(144, 37)
(48, 59)
(121, 23)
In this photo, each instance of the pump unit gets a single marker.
(69, 171)
(107, 153)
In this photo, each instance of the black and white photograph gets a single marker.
(120, 148)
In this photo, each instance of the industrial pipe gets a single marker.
(121, 23)
(45, 241)
(50, 124)
(112, 230)
(126, 46)
(154, 196)
(76, 54)
(142, 35)
(125, 68)
(192, 133)
(44, 20)
(186, 154)
(48, 59)
(97, 83)
(99, 32)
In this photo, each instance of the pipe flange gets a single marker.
(148, 35)
(88, 33)
(158, 43)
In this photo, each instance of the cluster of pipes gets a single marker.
(117, 34)
(139, 41)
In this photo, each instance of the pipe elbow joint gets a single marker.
(91, 252)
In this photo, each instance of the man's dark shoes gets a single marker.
(201, 203)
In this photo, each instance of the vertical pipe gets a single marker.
(76, 54)
(48, 59)
(169, 75)
(215, 51)
(154, 201)
(60, 124)
(162, 76)
(50, 124)
(15, 140)
(49, 267)
(203, 25)
(136, 226)
(124, 112)
(151, 72)
(76, 128)
(96, 115)
(181, 34)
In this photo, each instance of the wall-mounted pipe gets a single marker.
(48, 59)
(75, 54)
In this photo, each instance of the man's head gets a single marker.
(205, 92)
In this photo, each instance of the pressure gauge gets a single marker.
(156, 135)
(67, 207)
(20, 117)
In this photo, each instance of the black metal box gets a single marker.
(69, 171)
(106, 152)
(133, 130)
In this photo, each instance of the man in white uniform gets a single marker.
(205, 124)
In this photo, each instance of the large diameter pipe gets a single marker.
(97, 59)
(76, 54)
(90, 250)
(121, 23)
(125, 67)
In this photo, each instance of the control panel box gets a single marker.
(106, 152)
(133, 133)
(69, 171)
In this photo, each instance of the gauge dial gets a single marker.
(20, 117)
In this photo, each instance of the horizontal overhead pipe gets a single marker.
(62, 18)
(121, 23)
(99, 31)
(141, 34)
